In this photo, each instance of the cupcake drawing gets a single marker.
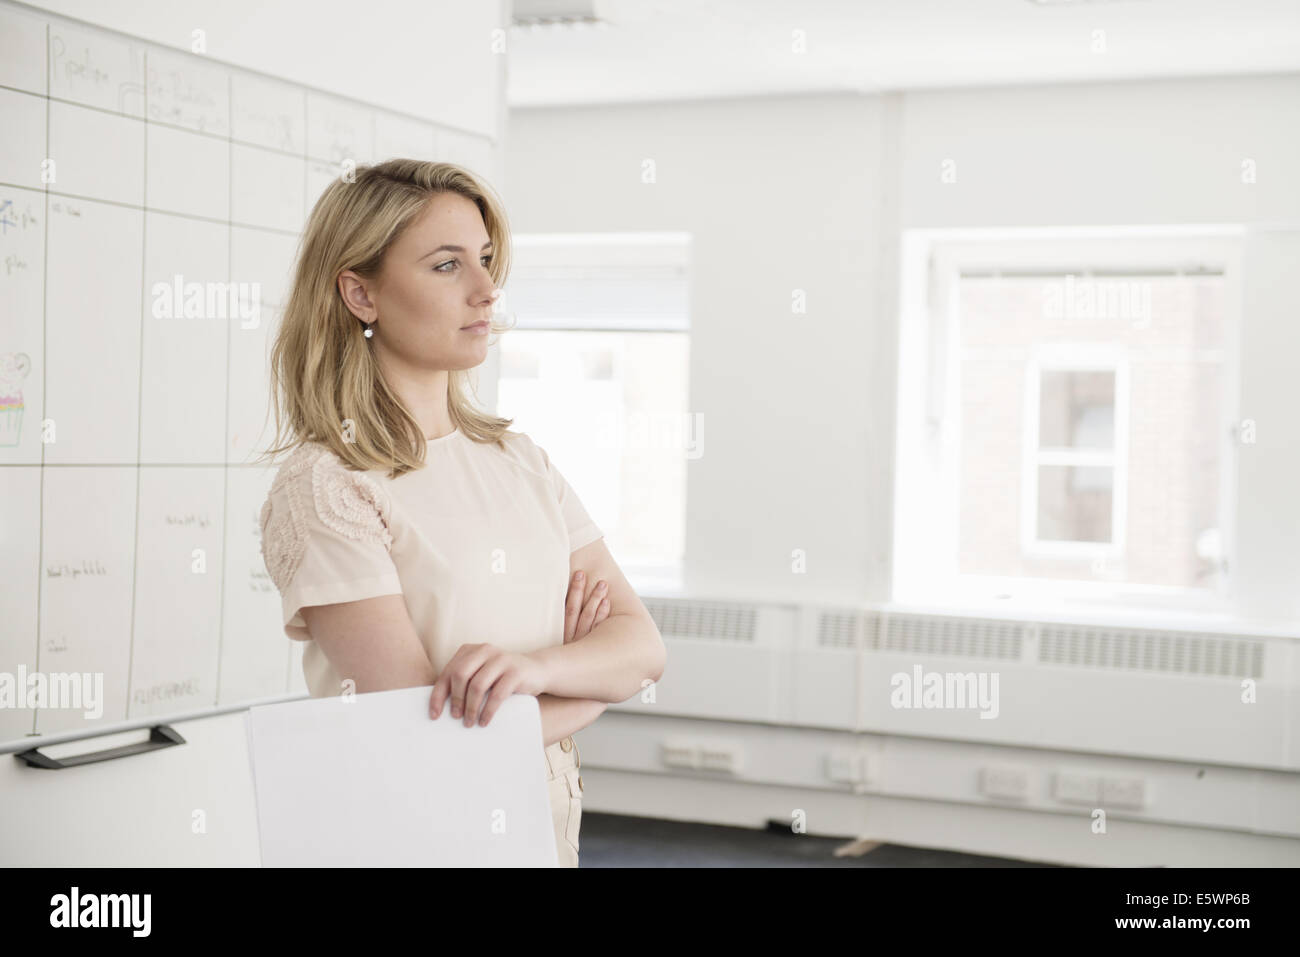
(14, 367)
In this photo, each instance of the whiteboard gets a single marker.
(129, 505)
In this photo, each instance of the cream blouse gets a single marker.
(477, 542)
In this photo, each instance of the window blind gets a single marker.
(606, 281)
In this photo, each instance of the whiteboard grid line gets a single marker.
(306, 175)
(139, 405)
(81, 197)
(225, 428)
(45, 382)
(129, 465)
(217, 137)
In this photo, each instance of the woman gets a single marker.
(413, 538)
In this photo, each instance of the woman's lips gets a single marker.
(478, 327)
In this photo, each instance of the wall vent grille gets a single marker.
(1143, 650)
(1067, 645)
(944, 635)
(840, 629)
(682, 618)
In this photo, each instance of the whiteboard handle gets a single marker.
(160, 736)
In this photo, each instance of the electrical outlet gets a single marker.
(719, 758)
(1124, 792)
(1005, 781)
(680, 754)
(846, 767)
(1076, 788)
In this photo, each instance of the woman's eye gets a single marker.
(486, 260)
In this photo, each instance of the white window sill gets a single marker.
(1118, 611)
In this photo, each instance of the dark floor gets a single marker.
(613, 840)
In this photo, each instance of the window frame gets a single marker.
(1074, 357)
(928, 413)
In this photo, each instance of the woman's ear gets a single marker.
(355, 295)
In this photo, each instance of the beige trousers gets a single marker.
(565, 785)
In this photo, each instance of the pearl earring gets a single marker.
(369, 332)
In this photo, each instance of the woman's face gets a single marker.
(428, 291)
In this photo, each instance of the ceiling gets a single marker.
(648, 50)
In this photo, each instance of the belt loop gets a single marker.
(577, 755)
(550, 760)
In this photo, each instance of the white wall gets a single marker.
(1156, 152)
(810, 192)
(431, 59)
(790, 453)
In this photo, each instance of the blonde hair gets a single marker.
(323, 372)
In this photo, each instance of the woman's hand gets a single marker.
(478, 678)
(578, 621)
(484, 676)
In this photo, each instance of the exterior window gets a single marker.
(596, 370)
(1074, 483)
(1066, 420)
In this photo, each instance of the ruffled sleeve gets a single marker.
(326, 536)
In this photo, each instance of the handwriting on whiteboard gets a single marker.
(88, 566)
(166, 691)
(187, 99)
(12, 217)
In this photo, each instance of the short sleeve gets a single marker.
(326, 537)
(582, 530)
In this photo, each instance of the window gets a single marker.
(1065, 419)
(1075, 482)
(596, 371)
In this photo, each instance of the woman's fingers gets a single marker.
(452, 683)
(481, 677)
(573, 604)
(588, 617)
(442, 686)
(480, 685)
(502, 689)
(580, 619)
